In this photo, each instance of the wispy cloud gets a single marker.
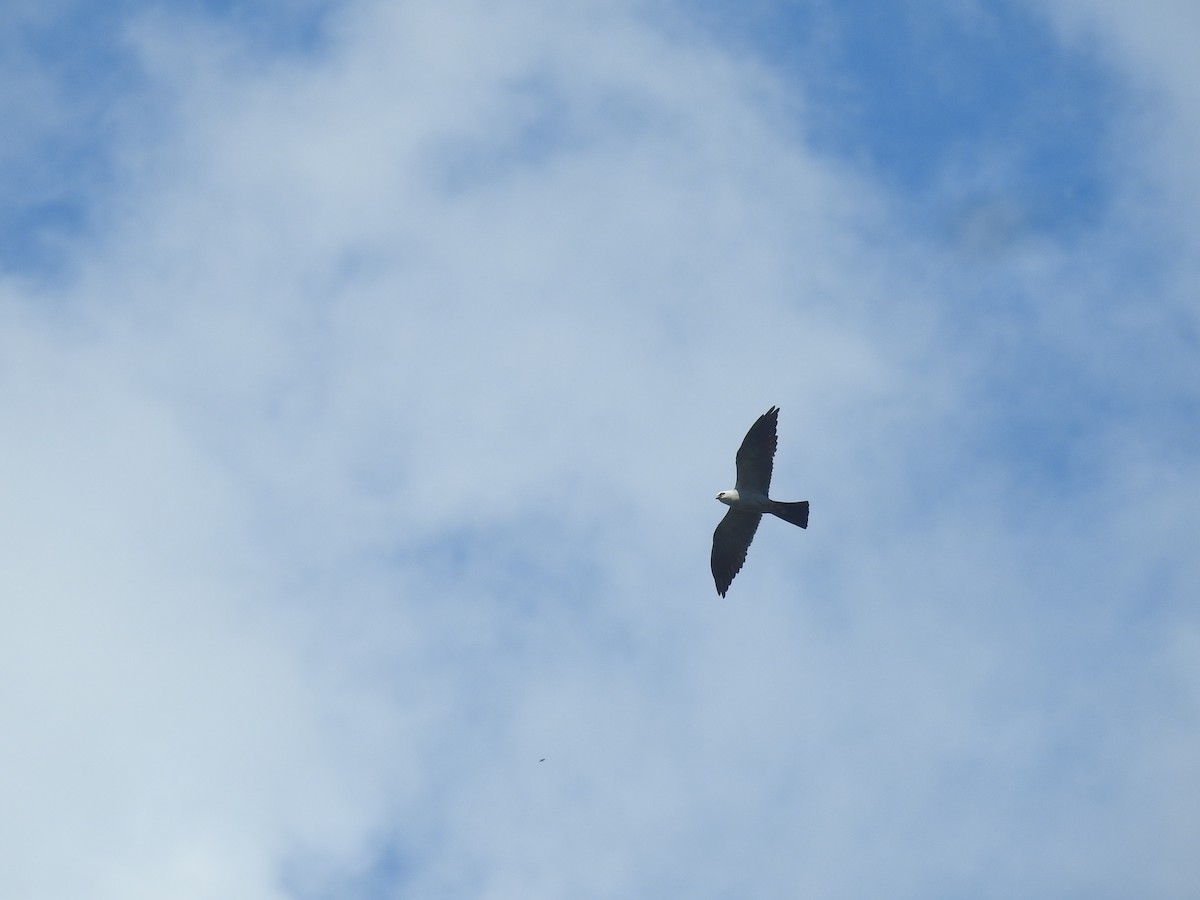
(362, 448)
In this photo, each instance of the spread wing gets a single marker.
(731, 540)
(757, 454)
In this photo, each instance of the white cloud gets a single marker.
(368, 461)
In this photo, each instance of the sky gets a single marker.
(368, 371)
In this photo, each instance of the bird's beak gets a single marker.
(718, 497)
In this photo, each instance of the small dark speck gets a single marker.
(543, 759)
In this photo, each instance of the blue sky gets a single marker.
(367, 372)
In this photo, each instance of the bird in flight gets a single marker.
(748, 501)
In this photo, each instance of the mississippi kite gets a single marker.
(748, 501)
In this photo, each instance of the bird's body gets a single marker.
(749, 500)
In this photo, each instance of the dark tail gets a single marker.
(796, 513)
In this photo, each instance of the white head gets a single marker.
(728, 497)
